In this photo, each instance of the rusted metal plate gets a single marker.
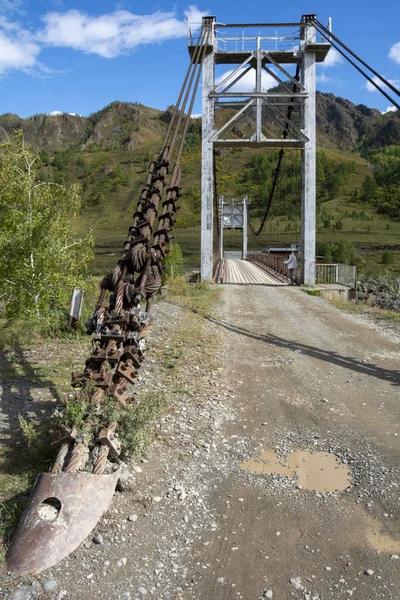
(60, 513)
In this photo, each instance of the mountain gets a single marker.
(340, 124)
(120, 124)
(108, 154)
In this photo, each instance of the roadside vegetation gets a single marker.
(38, 353)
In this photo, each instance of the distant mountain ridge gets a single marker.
(340, 124)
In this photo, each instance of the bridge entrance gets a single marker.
(243, 272)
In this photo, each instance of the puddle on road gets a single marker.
(317, 471)
(381, 541)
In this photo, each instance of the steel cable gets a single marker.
(278, 166)
(197, 66)
(332, 36)
(176, 107)
(372, 82)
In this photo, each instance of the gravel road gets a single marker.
(275, 472)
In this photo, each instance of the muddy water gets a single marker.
(318, 471)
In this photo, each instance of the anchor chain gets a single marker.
(120, 329)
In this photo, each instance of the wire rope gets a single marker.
(372, 82)
(332, 36)
(280, 157)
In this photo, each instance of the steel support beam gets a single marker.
(308, 163)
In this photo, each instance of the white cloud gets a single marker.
(394, 53)
(10, 6)
(324, 78)
(112, 34)
(18, 50)
(372, 88)
(389, 109)
(108, 35)
(195, 17)
(333, 58)
(247, 82)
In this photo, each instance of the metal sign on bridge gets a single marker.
(232, 215)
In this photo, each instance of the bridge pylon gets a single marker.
(258, 54)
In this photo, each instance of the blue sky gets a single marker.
(79, 55)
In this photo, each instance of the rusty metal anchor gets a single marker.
(60, 513)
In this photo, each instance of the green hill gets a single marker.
(109, 151)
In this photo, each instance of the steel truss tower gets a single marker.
(260, 50)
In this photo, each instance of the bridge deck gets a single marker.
(244, 272)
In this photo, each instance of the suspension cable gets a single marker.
(192, 65)
(331, 35)
(197, 67)
(280, 157)
(374, 83)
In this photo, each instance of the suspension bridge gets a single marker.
(281, 119)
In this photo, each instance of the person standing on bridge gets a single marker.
(291, 263)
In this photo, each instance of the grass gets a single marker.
(377, 313)
(311, 292)
(50, 326)
(199, 297)
(29, 450)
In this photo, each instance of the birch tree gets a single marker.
(41, 259)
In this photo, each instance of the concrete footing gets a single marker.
(334, 291)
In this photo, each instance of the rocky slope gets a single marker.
(340, 124)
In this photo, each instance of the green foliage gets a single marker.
(387, 257)
(10, 513)
(61, 159)
(331, 176)
(381, 189)
(178, 286)
(134, 421)
(339, 225)
(257, 181)
(341, 252)
(45, 158)
(41, 260)
(368, 189)
(95, 198)
(173, 262)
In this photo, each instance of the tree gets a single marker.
(387, 257)
(173, 262)
(41, 260)
(368, 188)
(339, 225)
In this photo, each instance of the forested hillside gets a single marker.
(107, 153)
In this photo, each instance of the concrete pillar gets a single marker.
(207, 171)
(244, 251)
(308, 196)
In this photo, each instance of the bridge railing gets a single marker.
(275, 263)
(273, 37)
(336, 273)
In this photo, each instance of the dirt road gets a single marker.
(275, 474)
